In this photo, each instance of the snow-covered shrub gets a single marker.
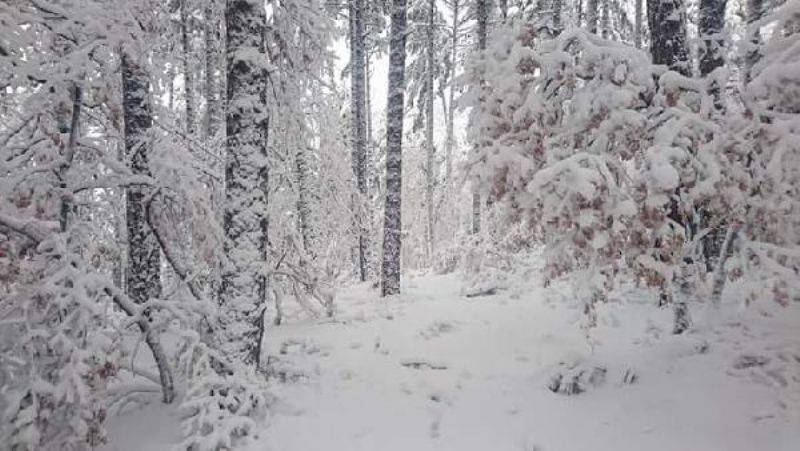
(762, 167)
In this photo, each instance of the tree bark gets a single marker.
(212, 38)
(591, 15)
(482, 18)
(188, 75)
(430, 170)
(667, 22)
(243, 286)
(358, 127)
(637, 31)
(392, 228)
(144, 258)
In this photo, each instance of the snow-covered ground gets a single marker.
(435, 370)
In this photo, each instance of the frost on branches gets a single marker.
(618, 163)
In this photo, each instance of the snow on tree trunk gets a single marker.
(450, 137)
(591, 15)
(637, 23)
(482, 18)
(557, 7)
(212, 37)
(430, 170)
(755, 9)
(358, 127)
(303, 201)
(245, 212)
(188, 74)
(712, 20)
(144, 257)
(667, 22)
(392, 226)
(69, 152)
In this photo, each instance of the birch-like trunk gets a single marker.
(243, 285)
(392, 226)
(143, 281)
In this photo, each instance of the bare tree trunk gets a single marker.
(69, 152)
(637, 31)
(188, 75)
(755, 9)
(482, 18)
(591, 16)
(358, 127)
(212, 38)
(246, 173)
(667, 22)
(450, 139)
(303, 206)
(392, 228)
(144, 258)
(430, 170)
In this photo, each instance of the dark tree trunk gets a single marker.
(212, 90)
(712, 20)
(667, 22)
(392, 228)
(144, 257)
(483, 19)
(188, 75)
(245, 213)
(358, 127)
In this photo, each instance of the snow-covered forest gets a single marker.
(532, 225)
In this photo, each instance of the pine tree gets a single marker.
(392, 226)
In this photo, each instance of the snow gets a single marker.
(434, 370)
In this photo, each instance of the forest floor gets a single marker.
(435, 370)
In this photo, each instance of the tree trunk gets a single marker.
(557, 25)
(450, 139)
(188, 75)
(69, 152)
(482, 18)
(755, 9)
(712, 20)
(637, 31)
(144, 257)
(430, 170)
(212, 37)
(591, 15)
(303, 205)
(358, 128)
(667, 22)
(245, 213)
(392, 228)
